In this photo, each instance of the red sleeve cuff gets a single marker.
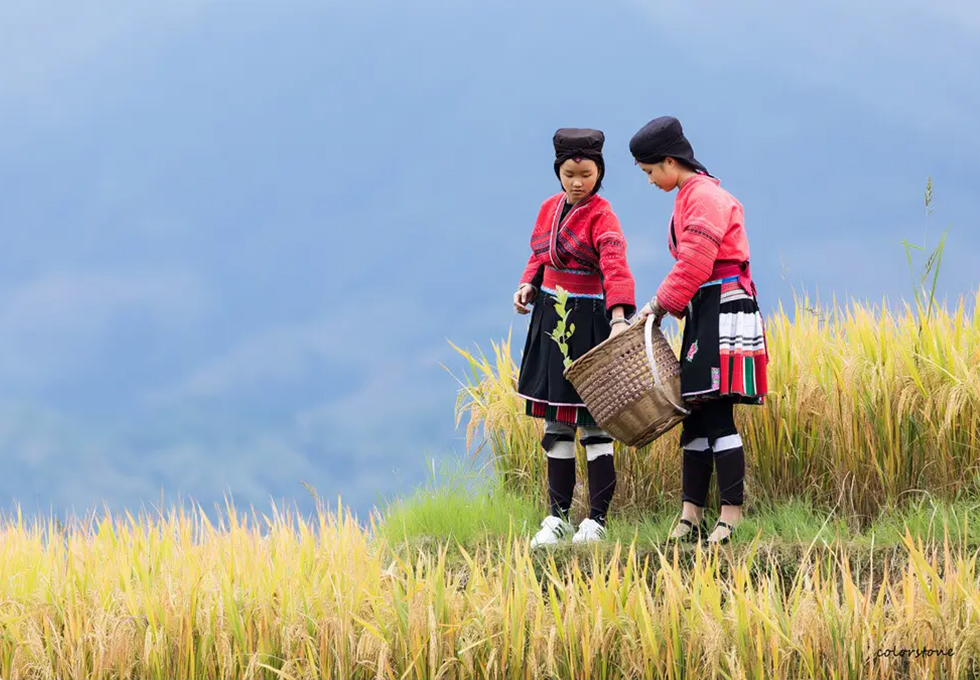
(668, 298)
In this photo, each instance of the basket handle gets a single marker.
(648, 336)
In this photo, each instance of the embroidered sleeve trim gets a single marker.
(704, 233)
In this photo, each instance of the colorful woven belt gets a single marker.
(578, 282)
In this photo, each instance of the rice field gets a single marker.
(868, 408)
(283, 596)
(857, 559)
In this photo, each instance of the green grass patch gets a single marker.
(471, 516)
(457, 506)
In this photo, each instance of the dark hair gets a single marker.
(680, 161)
(684, 164)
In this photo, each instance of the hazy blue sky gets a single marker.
(238, 235)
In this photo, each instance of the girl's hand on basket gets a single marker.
(525, 294)
(617, 328)
(649, 308)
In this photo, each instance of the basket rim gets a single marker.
(605, 345)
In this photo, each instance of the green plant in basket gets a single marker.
(563, 330)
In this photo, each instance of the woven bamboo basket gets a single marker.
(631, 384)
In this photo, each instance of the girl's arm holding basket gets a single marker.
(702, 225)
(617, 278)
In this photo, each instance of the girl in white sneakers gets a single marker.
(577, 244)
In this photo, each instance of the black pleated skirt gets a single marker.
(541, 383)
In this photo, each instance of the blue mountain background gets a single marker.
(238, 237)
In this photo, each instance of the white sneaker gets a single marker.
(589, 530)
(553, 529)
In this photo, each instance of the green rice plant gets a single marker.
(489, 398)
(931, 266)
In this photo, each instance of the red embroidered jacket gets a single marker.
(707, 229)
(589, 239)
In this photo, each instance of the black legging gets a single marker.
(561, 470)
(709, 439)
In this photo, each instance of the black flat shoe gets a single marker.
(692, 536)
(726, 539)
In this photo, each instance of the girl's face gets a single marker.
(578, 178)
(665, 174)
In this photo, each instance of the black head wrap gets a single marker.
(663, 138)
(580, 143)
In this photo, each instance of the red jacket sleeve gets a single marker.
(533, 272)
(534, 269)
(705, 222)
(616, 276)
